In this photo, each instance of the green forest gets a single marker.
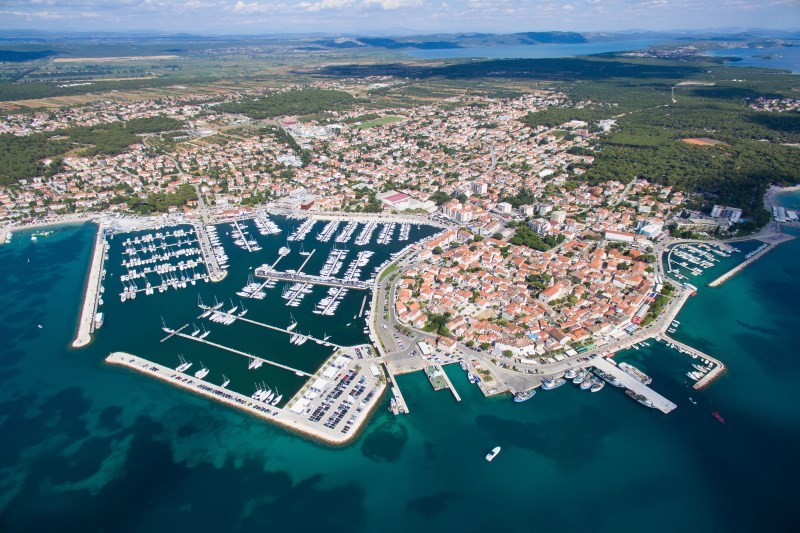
(647, 142)
(22, 157)
(303, 102)
(158, 202)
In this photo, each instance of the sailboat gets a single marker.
(278, 397)
(203, 372)
(293, 324)
(196, 331)
(244, 309)
(184, 364)
(225, 381)
(205, 333)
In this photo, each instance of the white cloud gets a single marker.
(567, 7)
(393, 4)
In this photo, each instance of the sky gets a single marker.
(334, 16)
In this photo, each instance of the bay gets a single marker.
(87, 447)
(538, 51)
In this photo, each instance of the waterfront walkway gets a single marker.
(629, 382)
(92, 292)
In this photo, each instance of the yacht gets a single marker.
(639, 398)
(492, 454)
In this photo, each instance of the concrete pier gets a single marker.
(450, 384)
(629, 382)
(284, 417)
(401, 405)
(92, 292)
(717, 371)
(215, 273)
(774, 242)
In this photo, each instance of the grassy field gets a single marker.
(379, 122)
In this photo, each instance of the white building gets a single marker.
(730, 213)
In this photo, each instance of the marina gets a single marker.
(331, 410)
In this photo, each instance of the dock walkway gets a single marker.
(244, 354)
(276, 328)
(629, 382)
(312, 279)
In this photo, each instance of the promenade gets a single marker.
(92, 292)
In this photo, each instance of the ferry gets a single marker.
(524, 396)
(635, 373)
(639, 398)
(492, 454)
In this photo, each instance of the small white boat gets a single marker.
(492, 454)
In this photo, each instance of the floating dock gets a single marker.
(238, 352)
(312, 279)
(276, 328)
(629, 382)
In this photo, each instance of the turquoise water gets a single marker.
(538, 51)
(785, 58)
(87, 447)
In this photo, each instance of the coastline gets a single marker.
(278, 415)
(91, 293)
(770, 197)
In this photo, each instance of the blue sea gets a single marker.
(784, 58)
(538, 51)
(89, 447)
